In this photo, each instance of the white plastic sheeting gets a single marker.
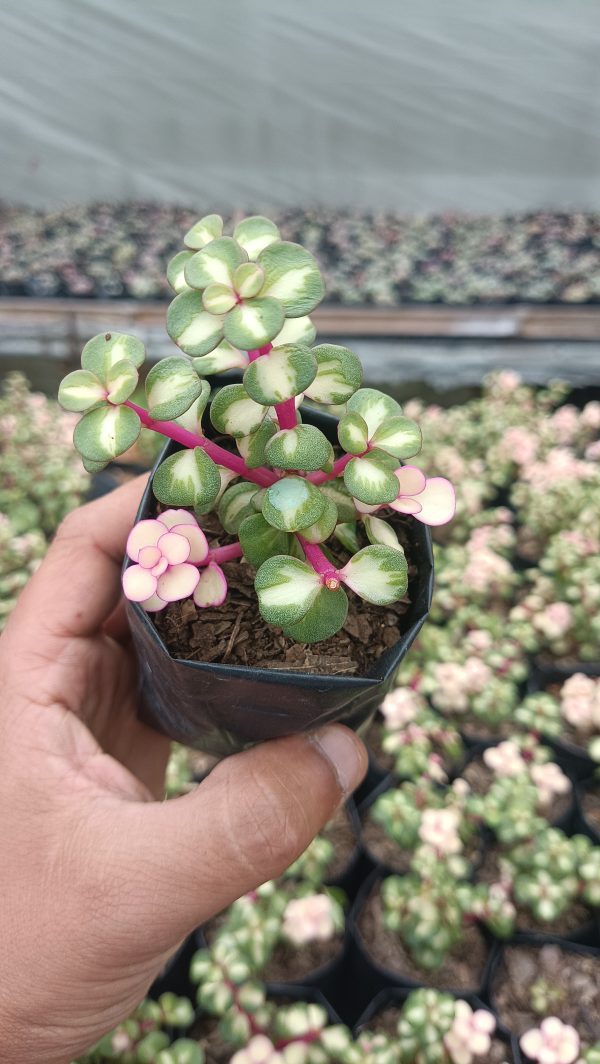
(436, 104)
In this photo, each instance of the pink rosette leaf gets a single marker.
(176, 549)
(438, 502)
(144, 534)
(178, 582)
(153, 604)
(212, 587)
(170, 518)
(411, 480)
(138, 583)
(149, 557)
(197, 541)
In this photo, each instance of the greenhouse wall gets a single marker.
(413, 106)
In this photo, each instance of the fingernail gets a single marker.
(345, 753)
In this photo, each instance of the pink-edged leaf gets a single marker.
(212, 587)
(161, 567)
(178, 582)
(438, 502)
(170, 518)
(196, 539)
(144, 534)
(406, 506)
(148, 557)
(176, 549)
(411, 480)
(138, 583)
(153, 604)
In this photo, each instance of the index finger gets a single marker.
(78, 584)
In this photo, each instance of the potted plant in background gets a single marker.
(254, 528)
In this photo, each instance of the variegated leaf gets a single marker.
(234, 413)
(187, 478)
(218, 298)
(235, 505)
(292, 504)
(211, 589)
(255, 233)
(370, 480)
(253, 447)
(121, 381)
(398, 436)
(176, 271)
(379, 574)
(348, 536)
(260, 540)
(248, 280)
(106, 349)
(321, 530)
(324, 617)
(291, 276)
(337, 491)
(192, 419)
(172, 385)
(81, 390)
(374, 406)
(216, 263)
(286, 589)
(282, 374)
(296, 331)
(304, 447)
(191, 327)
(208, 228)
(106, 432)
(223, 358)
(339, 374)
(254, 323)
(379, 531)
(353, 433)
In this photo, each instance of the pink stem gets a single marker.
(286, 414)
(320, 563)
(338, 467)
(223, 554)
(263, 477)
(258, 351)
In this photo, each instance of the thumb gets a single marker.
(245, 824)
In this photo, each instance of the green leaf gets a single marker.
(81, 390)
(223, 357)
(348, 536)
(218, 298)
(216, 263)
(379, 531)
(255, 234)
(91, 466)
(321, 530)
(292, 504)
(172, 385)
(375, 407)
(208, 228)
(337, 491)
(234, 413)
(353, 434)
(191, 327)
(106, 349)
(370, 480)
(282, 374)
(254, 323)
(296, 331)
(235, 505)
(292, 276)
(192, 419)
(379, 574)
(187, 478)
(286, 589)
(324, 618)
(261, 541)
(304, 447)
(338, 376)
(106, 432)
(248, 280)
(121, 381)
(398, 436)
(253, 447)
(175, 271)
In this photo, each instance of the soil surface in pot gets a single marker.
(571, 978)
(590, 804)
(462, 969)
(235, 633)
(386, 1022)
(480, 778)
(340, 833)
(577, 916)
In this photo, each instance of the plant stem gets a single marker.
(286, 412)
(258, 351)
(338, 467)
(263, 477)
(320, 563)
(223, 554)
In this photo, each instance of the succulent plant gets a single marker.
(142, 1039)
(553, 1042)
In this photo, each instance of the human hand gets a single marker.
(99, 881)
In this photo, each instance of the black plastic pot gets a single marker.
(583, 824)
(222, 709)
(175, 976)
(574, 759)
